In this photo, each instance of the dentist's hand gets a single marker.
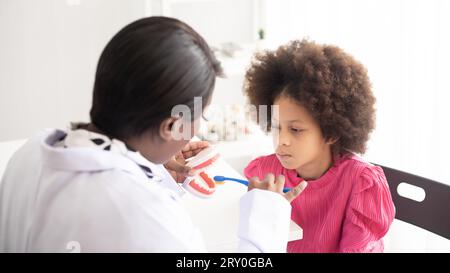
(276, 185)
(176, 166)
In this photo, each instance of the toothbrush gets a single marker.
(220, 178)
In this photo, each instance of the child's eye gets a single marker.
(296, 130)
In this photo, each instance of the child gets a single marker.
(325, 114)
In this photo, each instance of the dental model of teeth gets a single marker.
(201, 184)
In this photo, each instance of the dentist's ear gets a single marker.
(169, 127)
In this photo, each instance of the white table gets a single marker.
(218, 216)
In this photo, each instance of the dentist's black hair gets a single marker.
(146, 69)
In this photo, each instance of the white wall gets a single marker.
(218, 21)
(49, 51)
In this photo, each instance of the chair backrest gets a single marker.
(433, 213)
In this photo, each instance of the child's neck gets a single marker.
(315, 169)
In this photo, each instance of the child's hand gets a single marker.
(276, 185)
(176, 166)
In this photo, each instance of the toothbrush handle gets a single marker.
(245, 182)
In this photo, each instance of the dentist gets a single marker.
(110, 185)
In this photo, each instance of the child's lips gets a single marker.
(283, 157)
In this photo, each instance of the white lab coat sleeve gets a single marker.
(264, 222)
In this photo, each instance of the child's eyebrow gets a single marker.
(289, 121)
(295, 120)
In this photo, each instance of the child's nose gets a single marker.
(282, 139)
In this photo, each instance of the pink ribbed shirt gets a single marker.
(347, 209)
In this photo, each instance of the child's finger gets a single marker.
(279, 183)
(296, 191)
(253, 183)
(269, 179)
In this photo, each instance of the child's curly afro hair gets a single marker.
(329, 83)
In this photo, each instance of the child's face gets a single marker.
(298, 139)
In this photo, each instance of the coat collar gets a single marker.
(80, 150)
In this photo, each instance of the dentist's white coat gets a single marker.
(55, 199)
